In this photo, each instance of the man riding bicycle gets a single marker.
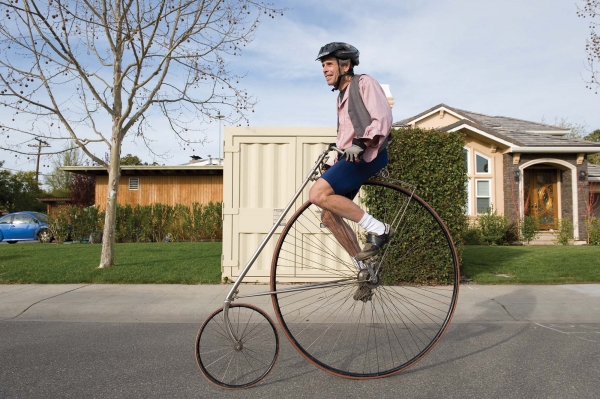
(364, 122)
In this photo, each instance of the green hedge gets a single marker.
(149, 223)
(432, 161)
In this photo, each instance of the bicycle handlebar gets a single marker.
(332, 147)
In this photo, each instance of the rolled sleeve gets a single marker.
(379, 108)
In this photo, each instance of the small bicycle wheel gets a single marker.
(232, 365)
(360, 329)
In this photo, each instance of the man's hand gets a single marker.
(355, 152)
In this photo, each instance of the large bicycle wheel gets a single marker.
(237, 365)
(357, 329)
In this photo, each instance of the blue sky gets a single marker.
(513, 58)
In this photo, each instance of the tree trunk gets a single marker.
(107, 258)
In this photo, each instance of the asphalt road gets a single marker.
(51, 359)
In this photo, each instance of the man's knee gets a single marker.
(318, 193)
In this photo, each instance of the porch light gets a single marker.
(582, 175)
(517, 175)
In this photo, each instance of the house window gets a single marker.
(482, 164)
(484, 198)
(134, 183)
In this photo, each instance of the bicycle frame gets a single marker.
(311, 176)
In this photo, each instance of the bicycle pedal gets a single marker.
(363, 293)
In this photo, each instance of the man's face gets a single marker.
(330, 70)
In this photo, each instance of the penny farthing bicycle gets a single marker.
(411, 292)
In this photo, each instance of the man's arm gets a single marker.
(379, 108)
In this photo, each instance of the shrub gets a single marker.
(213, 220)
(433, 162)
(142, 223)
(162, 217)
(473, 236)
(124, 228)
(493, 227)
(564, 235)
(84, 221)
(530, 226)
(58, 222)
(181, 224)
(593, 230)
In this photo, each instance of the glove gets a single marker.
(355, 152)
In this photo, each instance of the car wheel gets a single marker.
(44, 236)
(11, 242)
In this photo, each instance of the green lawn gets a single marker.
(198, 263)
(152, 263)
(531, 264)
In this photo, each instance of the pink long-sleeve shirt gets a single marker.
(381, 117)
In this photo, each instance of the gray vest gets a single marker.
(359, 115)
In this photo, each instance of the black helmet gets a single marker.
(343, 51)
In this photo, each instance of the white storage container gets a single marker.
(262, 169)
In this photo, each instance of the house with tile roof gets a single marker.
(520, 168)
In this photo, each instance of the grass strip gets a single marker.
(199, 263)
(142, 263)
(531, 264)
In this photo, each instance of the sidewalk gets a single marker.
(193, 303)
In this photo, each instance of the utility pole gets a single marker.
(41, 143)
(220, 117)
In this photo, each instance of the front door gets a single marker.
(541, 197)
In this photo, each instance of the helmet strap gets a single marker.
(350, 72)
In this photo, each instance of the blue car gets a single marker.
(24, 226)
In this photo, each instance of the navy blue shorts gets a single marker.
(346, 177)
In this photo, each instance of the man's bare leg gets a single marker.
(342, 232)
(336, 208)
(322, 195)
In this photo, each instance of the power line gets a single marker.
(41, 143)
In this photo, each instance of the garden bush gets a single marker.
(593, 230)
(433, 162)
(493, 227)
(564, 235)
(141, 223)
(530, 226)
(84, 221)
(472, 236)
(58, 223)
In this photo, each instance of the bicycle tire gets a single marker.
(216, 354)
(408, 311)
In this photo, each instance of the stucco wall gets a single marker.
(437, 120)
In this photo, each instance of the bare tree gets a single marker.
(91, 71)
(591, 10)
(59, 181)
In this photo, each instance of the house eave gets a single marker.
(435, 111)
(143, 170)
(556, 150)
(481, 132)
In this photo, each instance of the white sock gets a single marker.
(359, 264)
(372, 225)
